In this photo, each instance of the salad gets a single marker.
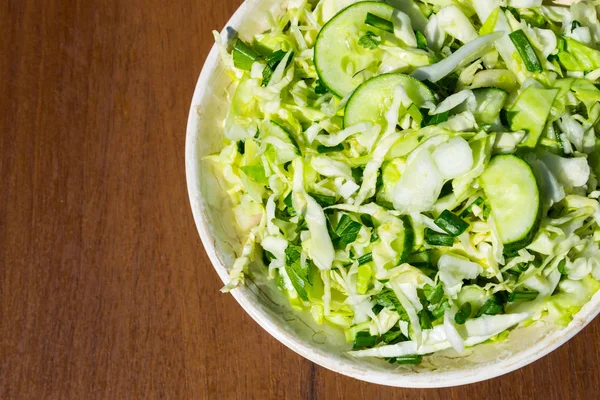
(421, 174)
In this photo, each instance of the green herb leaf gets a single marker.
(434, 119)
(323, 200)
(243, 55)
(364, 340)
(369, 41)
(433, 294)
(320, 87)
(298, 275)
(438, 239)
(387, 298)
(347, 231)
(425, 318)
(439, 311)
(377, 309)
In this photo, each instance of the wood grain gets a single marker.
(105, 290)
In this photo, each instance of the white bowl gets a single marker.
(267, 306)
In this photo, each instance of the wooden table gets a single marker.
(105, 290)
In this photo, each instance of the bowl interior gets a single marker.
(269, 307)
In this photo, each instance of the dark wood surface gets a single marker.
(105, 289)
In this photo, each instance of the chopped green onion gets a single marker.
(393, 337)
(243, 55)
(438, 239)
(526, 50)
(434, 119)
(463, 314)
(524, 296)
(325, 149)
(421, 41)
(365, 259)
(491, 307)
(479, 201)
(272, 62)
(433, 294)
(451, 223)
(364, 340)
(513, 11)
(574, 25)
(409, 359)
(380, 23)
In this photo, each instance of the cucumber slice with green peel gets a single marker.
(530, 113)
(489, 104)
(338, 56)
(514, 197)
(372, 99)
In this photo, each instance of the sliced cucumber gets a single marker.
(530, 113)
(489, 103)
(514, 197)
(338, 57)
(371, 100)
